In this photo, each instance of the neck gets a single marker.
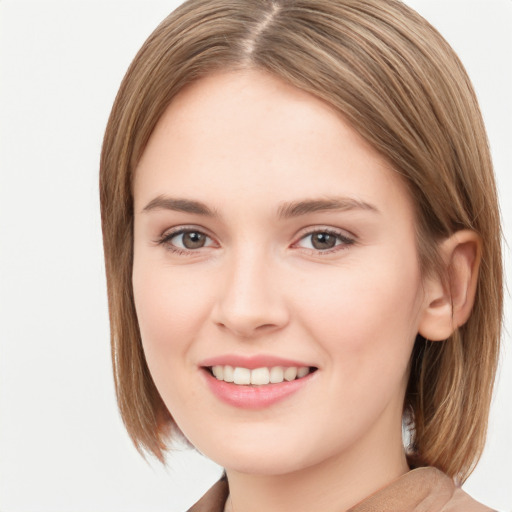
(333, 485)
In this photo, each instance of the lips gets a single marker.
(255, 382)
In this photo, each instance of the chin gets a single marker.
(262, 458)
(270, 465)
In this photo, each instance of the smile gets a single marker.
(259, 376)
(256, 381)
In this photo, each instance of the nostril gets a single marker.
(246, 329)
(265, 327)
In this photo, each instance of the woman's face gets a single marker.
(269, 236)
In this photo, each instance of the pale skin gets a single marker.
(264, 224)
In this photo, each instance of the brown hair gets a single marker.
(401, 86)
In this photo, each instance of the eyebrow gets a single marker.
(284, 211)
(179, 205)
(298, 208)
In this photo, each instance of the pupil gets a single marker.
(323, 241)
(193, 240)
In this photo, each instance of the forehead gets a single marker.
(246, 135)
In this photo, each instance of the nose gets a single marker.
(251, 301)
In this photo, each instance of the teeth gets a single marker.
(290, 373)
(302, 372)
(259, 376)
(276, 374)
(218, 371)
(242, 376)
(228, 374)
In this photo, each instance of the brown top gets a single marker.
(419, 490)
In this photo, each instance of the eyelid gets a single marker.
(166, 237)
(345, 236)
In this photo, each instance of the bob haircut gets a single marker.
(393, 77)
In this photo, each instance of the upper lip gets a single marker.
(251, 362)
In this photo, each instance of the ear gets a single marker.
(449, 297)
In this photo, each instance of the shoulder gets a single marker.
(419, 490)
(422, 489)
(456, 499)
(462, 502)
(214, 499)
(441, 489)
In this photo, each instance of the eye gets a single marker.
(324, 240)
(187, 240)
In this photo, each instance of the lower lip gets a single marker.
(254, 397)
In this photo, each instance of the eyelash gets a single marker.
(166, 238)
(344, 240)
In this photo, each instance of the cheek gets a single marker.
(365, 316)
(171, 306)
(171, 309)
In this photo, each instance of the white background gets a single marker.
(62, 445)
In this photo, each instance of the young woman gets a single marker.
(302, 248)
